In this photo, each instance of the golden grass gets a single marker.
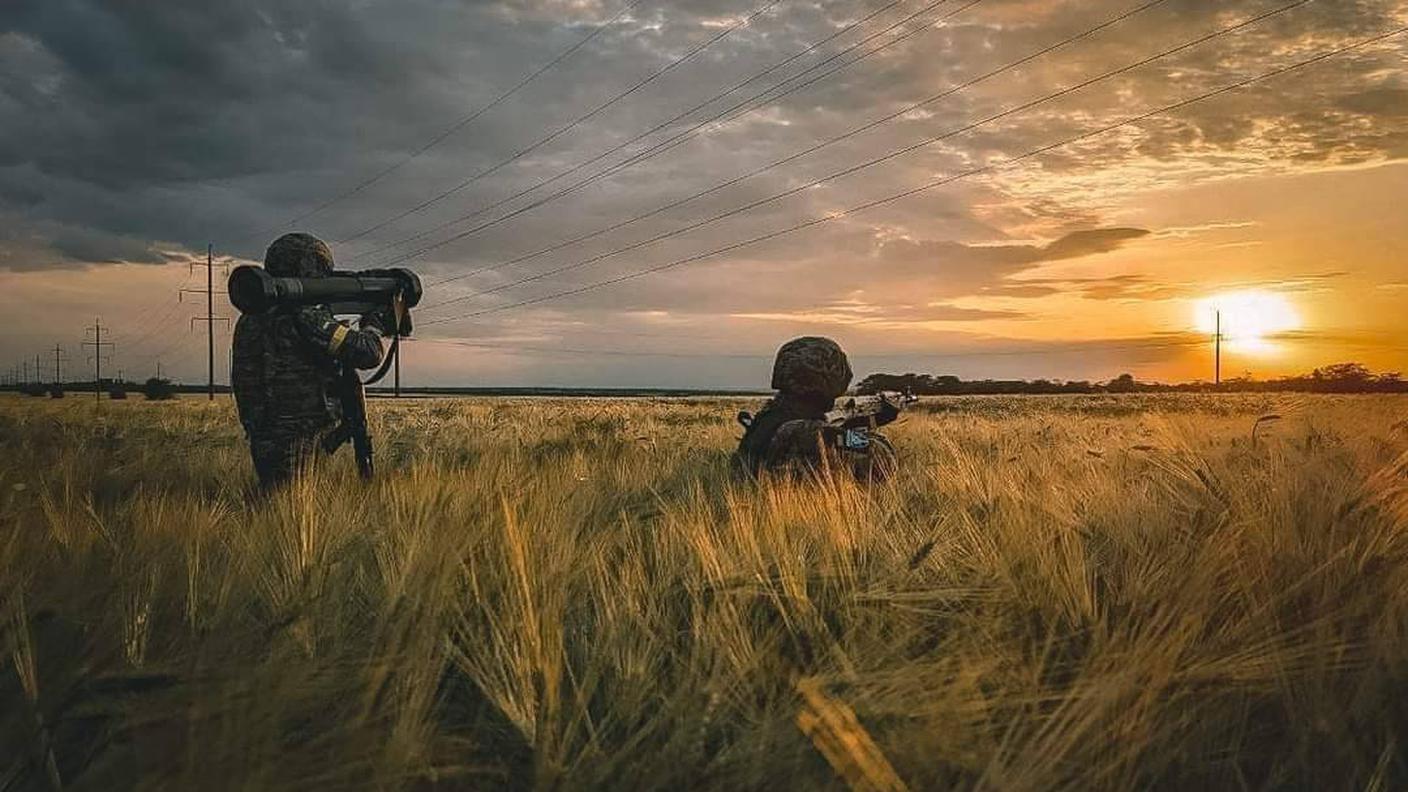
(1095, 593)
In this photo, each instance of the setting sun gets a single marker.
(1249, 319)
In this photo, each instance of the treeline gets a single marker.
(155, 388)
(1339, 378)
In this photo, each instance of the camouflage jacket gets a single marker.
(756, 450)
(283, 366)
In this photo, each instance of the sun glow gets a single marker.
(1250, 319)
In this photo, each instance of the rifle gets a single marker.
(858, 416)
(352, 394)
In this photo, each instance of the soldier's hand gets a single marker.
(402, 315)
(382, 320)
(390, 320)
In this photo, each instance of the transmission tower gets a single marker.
(1217, 349)
(210, 318)
(58, 364)
(97, 343)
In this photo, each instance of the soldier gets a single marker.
(284, 364)
(791, 432)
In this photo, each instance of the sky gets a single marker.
(1002, 188)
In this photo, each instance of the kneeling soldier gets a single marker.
(799, 429)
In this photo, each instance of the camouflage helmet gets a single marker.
(298, 256)
(811, 365)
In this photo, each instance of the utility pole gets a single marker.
(38, 378)
(210, 318)
(1217, 349)
(97, 343)
(158, 368)
(26, 373)
(58, 363)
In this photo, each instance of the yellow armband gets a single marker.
(338, 336)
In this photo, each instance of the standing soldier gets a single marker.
(792, 433)
(285, 362)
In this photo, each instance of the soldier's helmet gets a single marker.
(298, 256)
(811, 365)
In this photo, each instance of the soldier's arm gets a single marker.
(321, 331)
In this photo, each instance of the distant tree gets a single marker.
(158, 389)
(922, 384)
(1124, 383)
(1338, 378)
(1343, 372)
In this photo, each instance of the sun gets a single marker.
(1250, 319)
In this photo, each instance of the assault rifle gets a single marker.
(352, 395)
(856, 417)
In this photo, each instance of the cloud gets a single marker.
(959, 269)
(1143, 288)
(133, 131)
(883, 316)
(168, 120)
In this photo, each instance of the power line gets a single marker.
(461, 123)
(881, 159)
(147, 310)
(759, 100)
(809, 150)
(555, 350)
(569, 126)
(662, 125)
(150, 328)
(173, 343)
(1114, 345)
(164, 322)
(938, 182)
(161, 329)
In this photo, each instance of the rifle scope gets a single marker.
(254, 291)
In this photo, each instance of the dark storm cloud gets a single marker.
(958, 269)
(187, 122)
(196, 120)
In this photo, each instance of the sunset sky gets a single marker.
(133, 134)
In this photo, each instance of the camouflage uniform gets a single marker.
(284, 364)
(790, 433)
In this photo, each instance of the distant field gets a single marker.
(1056, 592)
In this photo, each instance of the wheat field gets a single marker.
(1054, 593)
